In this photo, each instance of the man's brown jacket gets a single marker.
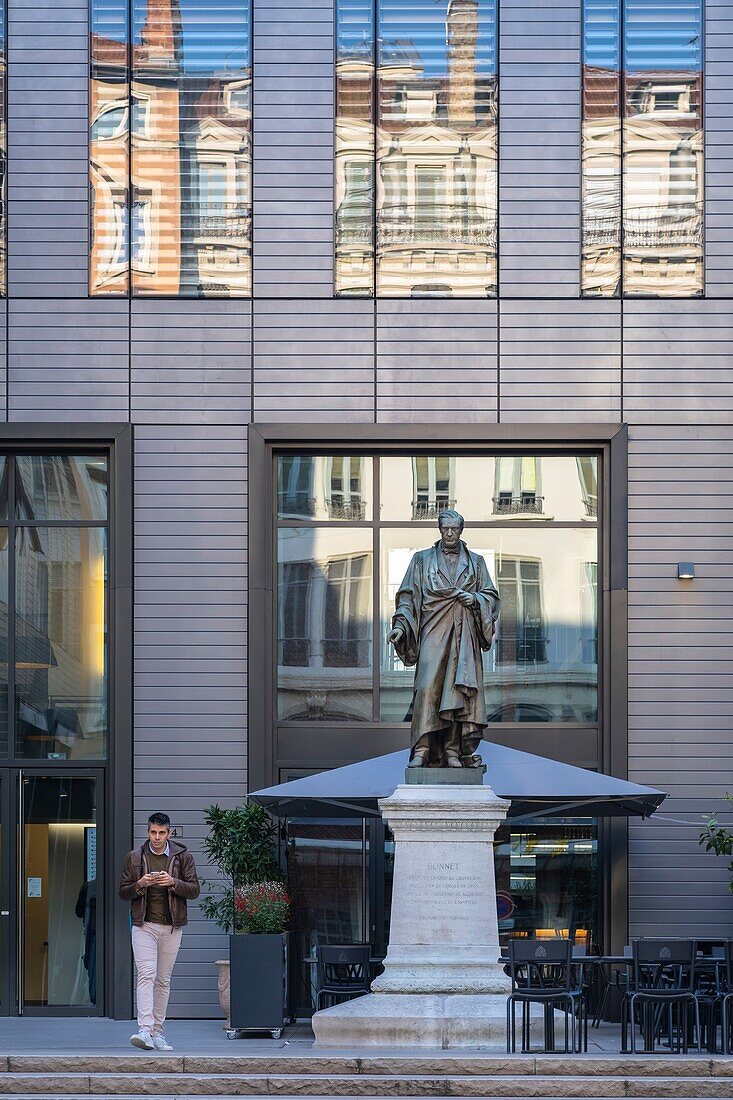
(180, 867)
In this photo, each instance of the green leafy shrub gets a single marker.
(242, 844)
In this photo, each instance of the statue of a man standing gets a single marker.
(445, 611)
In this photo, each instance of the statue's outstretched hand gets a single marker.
(395, 636)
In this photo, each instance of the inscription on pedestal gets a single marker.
(445, 894)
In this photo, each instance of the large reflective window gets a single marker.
(324, 638)
(543, 666)
(643, 148)
(416, 187)
(60, 642)
(3, 152)
(170, 148)
(534, 517)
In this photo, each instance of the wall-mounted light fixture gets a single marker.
(686, 570)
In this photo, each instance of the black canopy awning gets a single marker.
(535, 786)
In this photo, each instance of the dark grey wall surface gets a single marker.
(190, 375)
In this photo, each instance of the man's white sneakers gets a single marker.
(144, 1040)
(161, 1043)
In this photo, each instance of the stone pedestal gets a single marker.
(442, 983)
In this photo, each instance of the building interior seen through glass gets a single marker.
(53, 607)
(416, 148)
(170, 148)
(642, 176)
(342, 555)
(340, 877)
(59, 903)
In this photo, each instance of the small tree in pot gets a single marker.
(251, 903)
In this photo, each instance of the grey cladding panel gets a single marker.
(47, 138)
(191, 361)
(68, 360)
(436, 360)
(677, 361)
(314, 360)
(293, 148)
(539, 160)
(190, 647)
(560, 361)
(680, 659)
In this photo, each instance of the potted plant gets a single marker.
(250, 902)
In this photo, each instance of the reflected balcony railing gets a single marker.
(527, 648)
(296, 504)
(347, 652)
(440, 226)
(293, 652)
(353, 509)
(430, 509)
(660, 231)
(591, 506)
(518, 505)
(230, 222)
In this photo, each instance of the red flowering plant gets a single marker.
(262, 908)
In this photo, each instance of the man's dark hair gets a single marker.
(450, 515)
(159, 819)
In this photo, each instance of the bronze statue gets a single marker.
(445, 611)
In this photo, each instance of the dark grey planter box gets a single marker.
(259, 983)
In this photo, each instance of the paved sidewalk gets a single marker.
(75, 1035)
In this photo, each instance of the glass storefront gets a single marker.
(340, 877)
(54, 729)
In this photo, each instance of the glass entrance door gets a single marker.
(59, 911)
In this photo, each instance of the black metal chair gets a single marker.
(342, 970)
(725, 997)
(663, 980)
(542, 973)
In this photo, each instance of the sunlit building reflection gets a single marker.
(642, 172)
(534, 519)
(170, 148)
(416, 190)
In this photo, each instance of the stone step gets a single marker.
(370, 1086)
(448, 1065)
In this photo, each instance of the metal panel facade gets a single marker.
(190, 375)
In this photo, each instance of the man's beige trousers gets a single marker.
(155, 947)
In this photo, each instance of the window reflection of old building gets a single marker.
(534, 519)
(416, 194)
(433, 488)
(3, 155)
(643, 149)
(517, 485)
(170, 149)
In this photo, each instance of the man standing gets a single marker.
(446, 609)
(158, 879)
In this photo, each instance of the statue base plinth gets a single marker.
(462, 777)
(443, 1021)
(443, 984)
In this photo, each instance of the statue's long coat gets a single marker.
(445, 639)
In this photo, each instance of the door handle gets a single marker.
(5, 913)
